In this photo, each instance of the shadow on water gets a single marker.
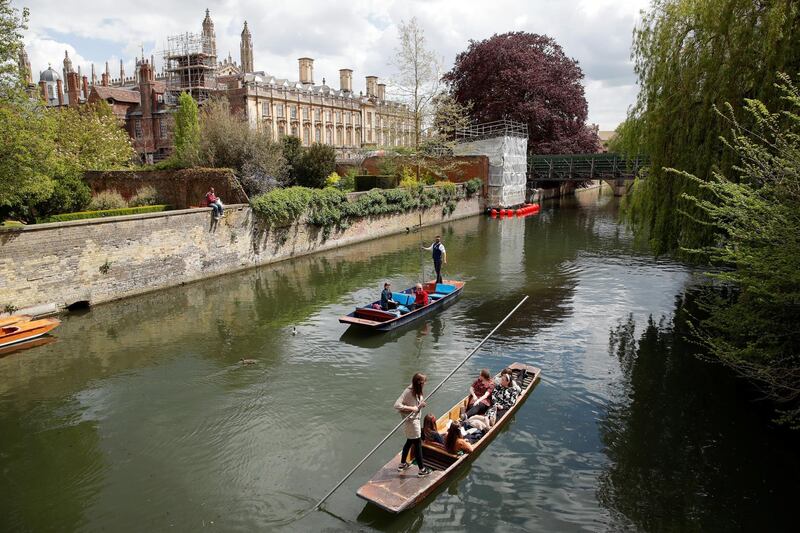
(683, 436)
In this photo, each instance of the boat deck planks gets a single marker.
(396, 491)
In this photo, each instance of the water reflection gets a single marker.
(682, 435)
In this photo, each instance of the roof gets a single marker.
(49, 75)
(606, 135)
(115, 93)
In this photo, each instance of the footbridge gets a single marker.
(615, 169)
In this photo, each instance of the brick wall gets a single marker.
(178, 188)
(105, 259)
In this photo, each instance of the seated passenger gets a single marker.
(421, 299)
(386, 298)
(504, 395)
(480, 395)
(454, 442)
(508, 371)
(429, 431)
(482, 422)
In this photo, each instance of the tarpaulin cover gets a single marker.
(508, 165)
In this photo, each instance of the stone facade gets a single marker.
(105, 259)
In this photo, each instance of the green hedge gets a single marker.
(81, 215)
(329, 208)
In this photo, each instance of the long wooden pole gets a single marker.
(470, 354)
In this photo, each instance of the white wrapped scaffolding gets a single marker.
(505, 143)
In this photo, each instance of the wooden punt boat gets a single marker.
(22, 332)
(396, 491)
(13, 319)
(441, 295)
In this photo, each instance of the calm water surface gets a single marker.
(139, 417)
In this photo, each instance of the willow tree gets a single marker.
(690, 56)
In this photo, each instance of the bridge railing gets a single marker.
(582, 167)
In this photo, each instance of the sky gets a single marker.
(357, 34)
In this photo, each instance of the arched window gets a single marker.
(306, 135)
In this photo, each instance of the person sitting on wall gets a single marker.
(214, 203)
(386, 298)
(421, 298)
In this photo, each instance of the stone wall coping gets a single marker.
(118, 218)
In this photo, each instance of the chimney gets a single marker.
(121, 71)
(346, 80)
(60, 92)
(43, 90)
(306, 70)
(146, 88)
(94, 76)
(372, 89)
(104, 79)
(73, 89)
(85, 87)
(381, 91)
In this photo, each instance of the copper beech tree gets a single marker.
(526, 77)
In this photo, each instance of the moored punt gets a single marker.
(13, 319)
(441, 294)
(396, 491)
(21, 332)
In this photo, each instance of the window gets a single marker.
(347, 118)
(265, 109)
(292, 112)
(329, 136)
(338, 116)
(349, 137)
(162, 125)
(316, 115)
(369, 118)
(279, 110)
(137, 128)
(294, 130)
(357, 116)
(306, 135)
(281, 130)
(327, 116)
(318, 135)
(305, 113)
(369, 136)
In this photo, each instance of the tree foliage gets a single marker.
(754, 327)
(187, 131)
(227, 140)
(526, 77)
(12, 23)
(315, 165)
(292, 151)
(692, 55)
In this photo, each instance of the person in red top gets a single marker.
(480, 394)
(214, 203)
(421, 300)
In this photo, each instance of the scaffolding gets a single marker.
(505, 143)
(190, 63)
(491, 130)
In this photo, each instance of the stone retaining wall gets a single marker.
(99, 260)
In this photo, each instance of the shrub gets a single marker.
(367, 182)
(105, 200)
(81, 215)
(146, 195)
(332, 180)
(292, 152)
(347, 182)
(387, 166)
(316, 164)
(472, 186)
(282, 206)
(408, 178)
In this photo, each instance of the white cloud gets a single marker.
(358, 34)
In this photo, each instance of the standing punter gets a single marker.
(439, 255)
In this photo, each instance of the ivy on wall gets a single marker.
(330, 208)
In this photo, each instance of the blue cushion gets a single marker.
(403, 298)
(403, 309)
(443, 288)
(436, 296)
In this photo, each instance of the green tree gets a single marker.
(754, 326)
(316, 164)
(691, 55)
(187, 131)
(227, 140)
(12, 24)
(292, 153)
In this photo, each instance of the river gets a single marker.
(139, 417)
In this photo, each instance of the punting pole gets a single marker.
(470, 354)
